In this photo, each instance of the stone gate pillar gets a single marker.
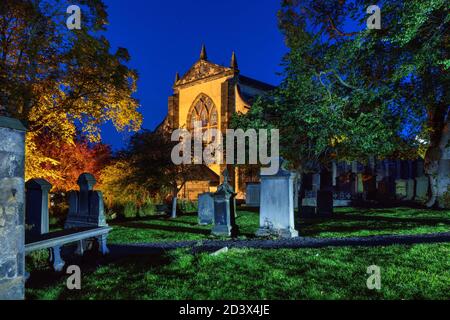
(12, 205)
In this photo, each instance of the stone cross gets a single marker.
(225, 210)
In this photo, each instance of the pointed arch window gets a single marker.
(205, 111)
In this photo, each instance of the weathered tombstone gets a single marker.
(325, 194)
(380, 172)
(316, 182)
(12, 205)
(205, 208)
(324, 203)
(400, 189)
(410, 186)
(225, 210)
(252, 197)
(277, 204)
(410, 183)
(422, 187)
(86, 208)
(359, 183)
(36, 213)
(334, 170)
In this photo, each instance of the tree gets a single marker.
(404, 66)
(320, 112)
(149, 154)
(68, 161)
(387, 87)
(62, 81)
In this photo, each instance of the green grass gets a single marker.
(347, 222)
(407, 272)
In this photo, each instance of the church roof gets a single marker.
(204, 70)
(255, 83)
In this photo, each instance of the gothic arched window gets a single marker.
(205, 111)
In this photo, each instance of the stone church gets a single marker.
(212, 93)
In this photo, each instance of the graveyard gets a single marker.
(325, 175)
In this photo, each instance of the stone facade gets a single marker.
(12, 206)
(220, 91)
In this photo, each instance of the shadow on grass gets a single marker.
(89, 263)
(165, 228)
(355, 223)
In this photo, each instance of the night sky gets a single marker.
(164, 37)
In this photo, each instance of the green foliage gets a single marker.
(188, 206)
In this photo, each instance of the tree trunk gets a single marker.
(436, 159)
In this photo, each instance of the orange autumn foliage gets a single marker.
(69, 160)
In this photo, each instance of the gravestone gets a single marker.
(225, 209)
(36, 213)
(324, 203)
(315, 182)
(277, 204)
(380, 173)
(205, 208)
(86, 208)
(422, 187)
(420, 172)
(410, 186)
(400, 189)
(359, 183)
(342, 199)
(252, 197)
(12, 205)
(334, 170)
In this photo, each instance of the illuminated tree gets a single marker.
(62, 81)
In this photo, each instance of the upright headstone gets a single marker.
(422, 188)
(86, 208)
(36, 213)
(205, 208)
(252, 197)
(225, 209)
(422, 183)
(316, 182)
(410, 183)
(277, 204)
(400, 189)
(12, 205)
(334, 170)
(325, 194)
(443, 180)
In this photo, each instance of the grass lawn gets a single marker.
(347, 222)
(408, 272)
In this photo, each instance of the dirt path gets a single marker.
(296, 243)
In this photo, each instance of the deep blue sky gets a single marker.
(164, 37)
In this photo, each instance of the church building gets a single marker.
(212, 93)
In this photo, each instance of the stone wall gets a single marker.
(12, 200)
